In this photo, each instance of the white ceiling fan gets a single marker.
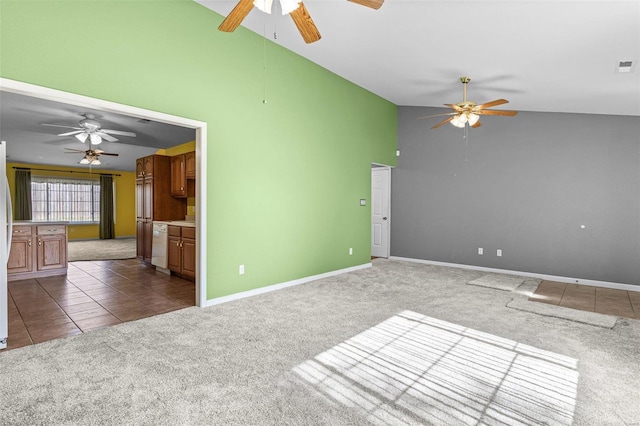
(91, 129)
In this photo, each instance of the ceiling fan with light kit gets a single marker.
(91, 156)
(90, 128)
(468, 112)
(295, 8)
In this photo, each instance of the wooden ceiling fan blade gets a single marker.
(73, 150)
(493, 103)
(305, 24)
(237, 15)
(455, 107)
(437, 115)
(497, 112)
(478, 124)
(443, 122)
(109, 153)
(373, 4)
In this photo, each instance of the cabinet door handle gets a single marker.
(39, 242)
(29, 243)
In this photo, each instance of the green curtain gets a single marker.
(107, 228)
(23, 194)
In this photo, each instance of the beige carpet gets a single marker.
(396, 344)
(120, 248)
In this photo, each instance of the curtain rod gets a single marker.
(65, 171)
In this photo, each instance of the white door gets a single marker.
(380, 189)
(4, 249)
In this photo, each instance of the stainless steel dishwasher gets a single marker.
(159, 245)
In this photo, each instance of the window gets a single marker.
(65, 199)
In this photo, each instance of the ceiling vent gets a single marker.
(625, 66)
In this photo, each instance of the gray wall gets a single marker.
(522, 184)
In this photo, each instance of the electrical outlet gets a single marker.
(480, 251)
(350, 251)
(499, 253)
(241, 270)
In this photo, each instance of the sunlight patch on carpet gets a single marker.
(412, 369)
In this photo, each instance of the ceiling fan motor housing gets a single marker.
(90, 125)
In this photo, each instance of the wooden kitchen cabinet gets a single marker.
(181, 251)
(178, 176)
(183, 174)
(36, 251)
(21, 252)
(154, 200)
(52, 247)
(189, 253)
(190, 164)
(144, 166)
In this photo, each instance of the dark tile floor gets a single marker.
(608, 301)
(92, 295)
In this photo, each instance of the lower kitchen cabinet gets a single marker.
(181, 251)
(37, 251)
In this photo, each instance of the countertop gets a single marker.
(187, 223)
(36, 223)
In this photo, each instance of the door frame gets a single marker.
(18, 87)
(4, 251)
(377, 166)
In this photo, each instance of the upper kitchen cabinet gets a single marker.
(144, 166)
(190, 164)
(178, 176)
(183, 170)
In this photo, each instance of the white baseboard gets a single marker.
(274, 287)
(606, 284)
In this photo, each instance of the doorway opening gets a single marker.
(380, 210)
(43, 93)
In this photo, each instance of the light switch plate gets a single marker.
(363, 202)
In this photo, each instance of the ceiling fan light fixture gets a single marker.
(263, 5)
(82, 137)
(289, 6)
(459, 121)
(473, 118)
(95, 139)
(85, 160)
(95, 162)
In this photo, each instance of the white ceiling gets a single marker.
(28, 141)
(551, 56)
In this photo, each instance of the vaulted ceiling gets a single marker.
(547, 56)
(550, 56)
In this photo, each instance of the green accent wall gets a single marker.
(284, 177)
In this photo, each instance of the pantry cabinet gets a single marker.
(154, 200)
